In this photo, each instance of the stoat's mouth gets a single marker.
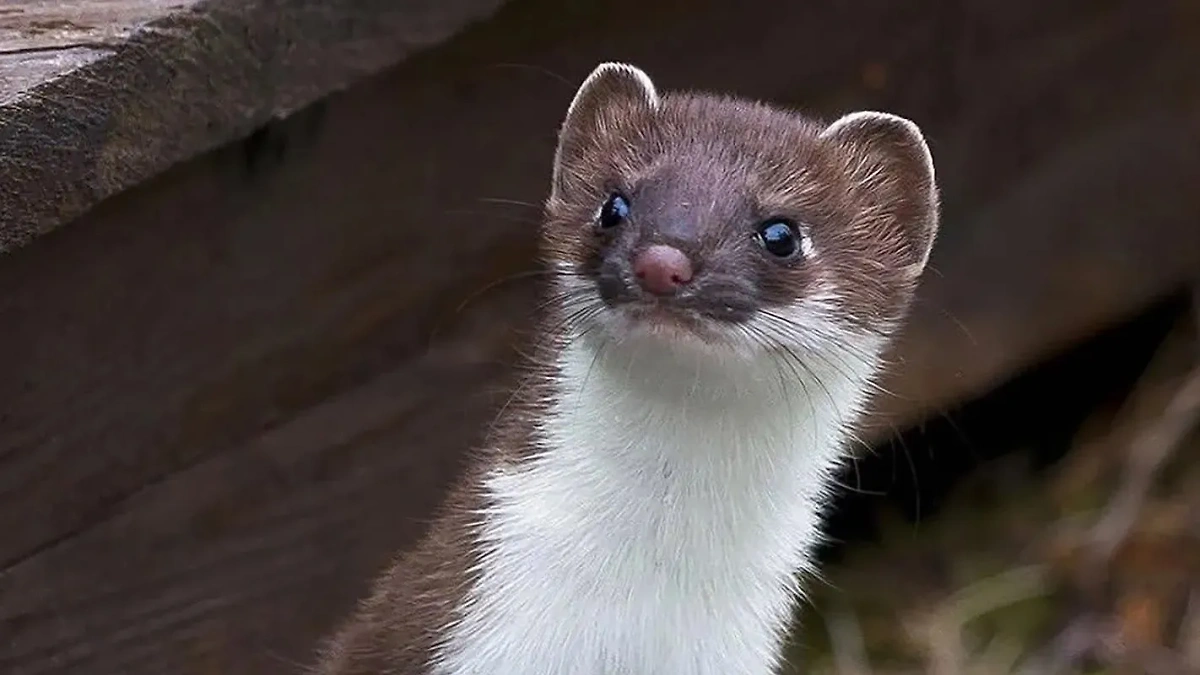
(664, 322)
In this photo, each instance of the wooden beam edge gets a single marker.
(185, 84)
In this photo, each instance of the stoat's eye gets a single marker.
(613, 212)
(780, 237)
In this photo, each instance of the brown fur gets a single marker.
(701, 172)
(396, 629)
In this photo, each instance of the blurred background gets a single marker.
(235, 383)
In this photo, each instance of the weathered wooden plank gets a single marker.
(47, 25)
(23, 72)
(96, 96)
(218, 412)
(256, 521)
(1063, 150)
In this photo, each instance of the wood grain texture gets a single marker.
(44, 25)
(99, 95)
(233, 391)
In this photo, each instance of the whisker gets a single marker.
(516, 393)
(535, 69)
(493, 215)
(588, 374)
(790, 335)
(856, 489)
(912, 470)
(518, 276)
(510, 202)
(754, 335)
(832, 346)
(958, 323)
(576, 324)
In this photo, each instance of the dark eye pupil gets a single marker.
(614, 211)
(778, 237)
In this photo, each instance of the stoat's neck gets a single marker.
(659, 525)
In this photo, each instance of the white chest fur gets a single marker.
(663, 525)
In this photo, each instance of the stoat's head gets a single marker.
(728, 224)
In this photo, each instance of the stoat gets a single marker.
(722, 276)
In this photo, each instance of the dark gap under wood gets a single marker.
(1035, 413)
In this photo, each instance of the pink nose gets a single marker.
(662, 269)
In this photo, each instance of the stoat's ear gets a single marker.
(892, 170)
(612, 92)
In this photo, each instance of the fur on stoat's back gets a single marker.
(649, 501)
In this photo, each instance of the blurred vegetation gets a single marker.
(1091, 565)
